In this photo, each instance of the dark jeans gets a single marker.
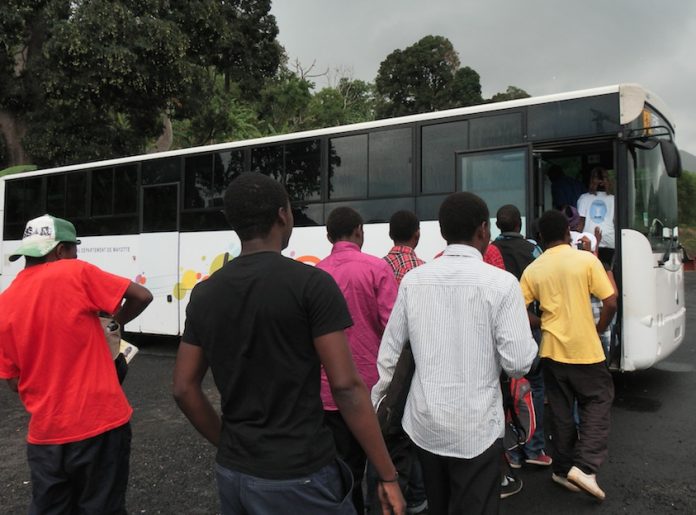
(457, 485)
(324, 491)
(593, 387)
(404, 456)
(348, 450)
(88, 477)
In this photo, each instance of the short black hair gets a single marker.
(342, 221)
(552, 226)
(403, 225)
(508, 218)
(252, 201)
(460, 215)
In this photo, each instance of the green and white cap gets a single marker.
(43, 234)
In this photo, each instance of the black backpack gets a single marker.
(390, 409)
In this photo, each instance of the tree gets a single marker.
(235, 37)
(465, 89)
(351, 101)
(686, 193)
(107, 72)
(511, 93)
(83, 80)
(214, 115)
(283, 104)
(358, 99)
(425, 77)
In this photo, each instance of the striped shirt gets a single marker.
(402, 258)
(465, 320)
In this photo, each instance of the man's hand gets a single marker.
(353, 401)
(391, 498)
(598, 234)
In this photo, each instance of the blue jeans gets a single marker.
(327, 490)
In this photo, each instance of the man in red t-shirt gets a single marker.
(54, 354)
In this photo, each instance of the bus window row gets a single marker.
(361, 168)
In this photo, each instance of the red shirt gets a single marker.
(492, 256)
(402, 259)
(368, 285)
(51, 339)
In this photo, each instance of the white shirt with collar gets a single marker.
(465, 320)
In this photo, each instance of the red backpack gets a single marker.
(520, 419)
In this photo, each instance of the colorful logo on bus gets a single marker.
(189, 277)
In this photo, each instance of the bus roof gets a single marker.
(632, 98)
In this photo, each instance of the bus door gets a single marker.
(158, 258)
(652, 272)
(499, 177)
(540, 185)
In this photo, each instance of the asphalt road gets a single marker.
(651, 467)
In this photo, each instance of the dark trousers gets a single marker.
(88, 477)
(593, 387)
(606, 256)
(457, 485)
(404, 456)
(349, 451)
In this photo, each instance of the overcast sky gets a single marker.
(541, 46)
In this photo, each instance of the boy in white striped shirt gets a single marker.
(466, 320)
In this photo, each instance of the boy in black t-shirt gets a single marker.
(265, 324)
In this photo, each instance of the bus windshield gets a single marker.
(652, 196)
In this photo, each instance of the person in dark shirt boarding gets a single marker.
(266, 325)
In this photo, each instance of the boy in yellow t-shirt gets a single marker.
(561, 280)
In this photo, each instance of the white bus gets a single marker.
(157, 218)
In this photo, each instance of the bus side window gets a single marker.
(390, 163)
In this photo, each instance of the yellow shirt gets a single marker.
(562, 279)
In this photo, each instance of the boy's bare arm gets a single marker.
(353, 401)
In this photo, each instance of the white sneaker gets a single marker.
(563, 481)
(588, 483)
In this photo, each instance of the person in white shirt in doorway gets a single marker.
(596, 210)
(465, 320)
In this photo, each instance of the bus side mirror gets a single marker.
(671, 158)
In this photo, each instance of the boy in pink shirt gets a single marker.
(369, 287)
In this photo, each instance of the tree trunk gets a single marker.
(12, 131)
(166, 139)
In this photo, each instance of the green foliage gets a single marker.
(237, 38)
(358, 99)
(425, 77)
(212, 114)
(686, 200)
(352, 101)
(93, 79)
(284, 102)
(109, 72)
(511, 93)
